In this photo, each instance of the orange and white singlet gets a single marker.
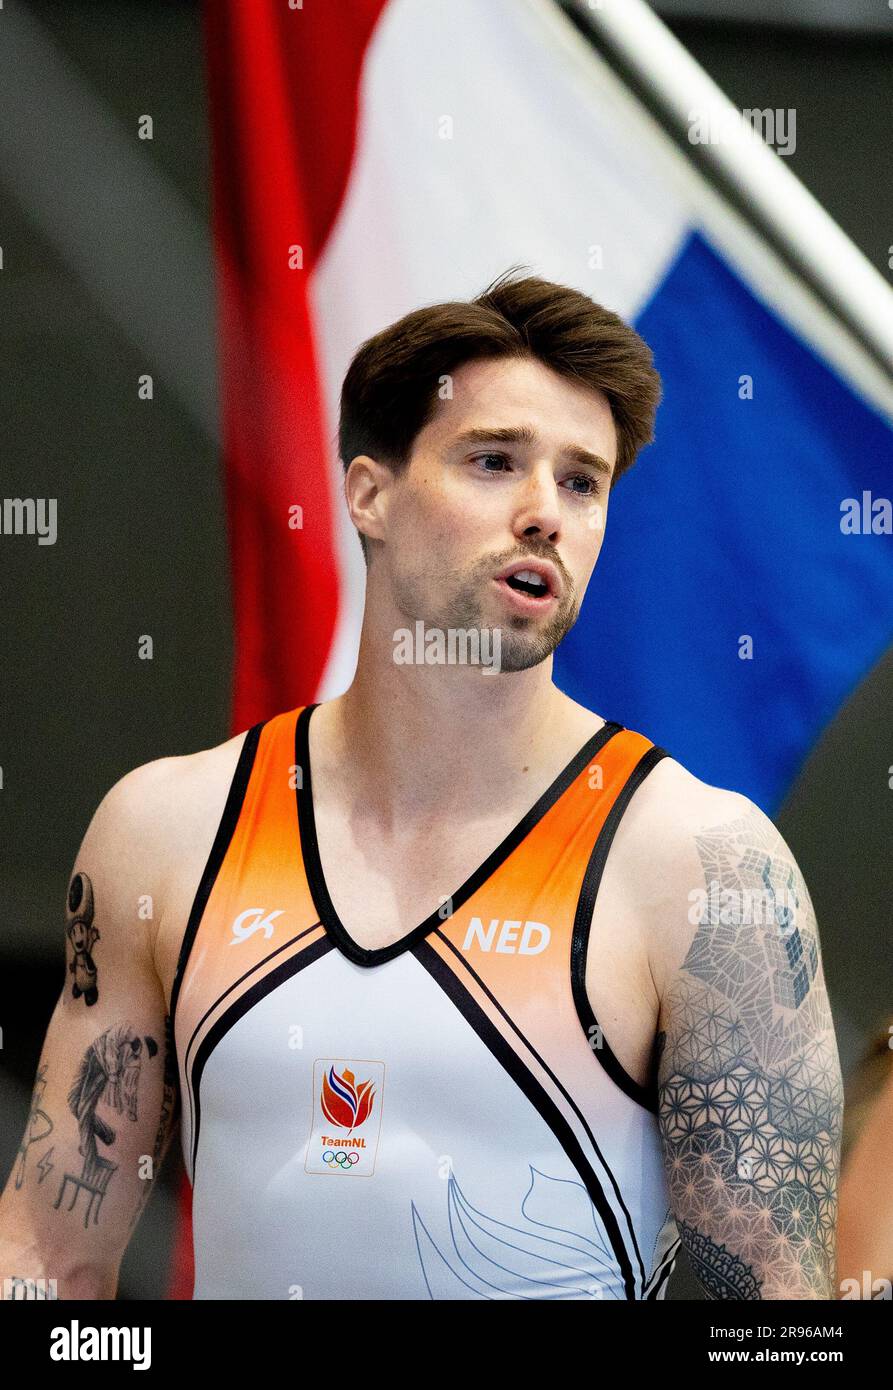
(441, 1118)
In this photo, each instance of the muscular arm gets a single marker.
(749, 1081)
(104, 1105)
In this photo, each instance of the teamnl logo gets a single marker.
(453, 646)
(347, 1116)
(776, 127)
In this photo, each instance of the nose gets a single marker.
(538, 511)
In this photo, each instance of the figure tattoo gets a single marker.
(39, 1127)
(83, 935)
(109, 1071)
(749, 1078)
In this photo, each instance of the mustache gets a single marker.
(531, 552)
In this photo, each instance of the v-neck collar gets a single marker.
(329, 918)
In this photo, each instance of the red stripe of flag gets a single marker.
(283, 100)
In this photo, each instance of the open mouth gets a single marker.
(526, 582)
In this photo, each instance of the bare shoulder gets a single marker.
(157, 802)
(153, 830)
(671, 791)
(680, 834)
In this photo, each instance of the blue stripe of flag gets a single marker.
(730, 526)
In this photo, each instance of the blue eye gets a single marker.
(594, 485)
(593, 489)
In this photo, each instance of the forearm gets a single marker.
(31, 1271)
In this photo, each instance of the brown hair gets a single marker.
(390, 391)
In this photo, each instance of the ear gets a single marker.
(366, 490)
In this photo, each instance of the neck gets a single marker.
(417, 740)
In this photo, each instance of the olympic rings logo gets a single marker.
(344, 1160)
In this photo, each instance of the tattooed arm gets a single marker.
(750, 1095)
(104, 1105)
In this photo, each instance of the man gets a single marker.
(469, 992)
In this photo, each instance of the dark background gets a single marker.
(107, 274)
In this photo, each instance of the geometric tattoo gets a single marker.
(750, 1093)
(82, 934)
(109, 1071)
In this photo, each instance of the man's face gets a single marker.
(465, 509)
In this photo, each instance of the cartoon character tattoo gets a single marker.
(83, 934)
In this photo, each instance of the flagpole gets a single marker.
(846, 278)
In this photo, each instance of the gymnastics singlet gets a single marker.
(440, 1118)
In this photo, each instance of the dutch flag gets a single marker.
(377, 155)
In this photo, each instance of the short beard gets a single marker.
(523, 643)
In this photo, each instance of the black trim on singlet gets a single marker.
(666, 1270)
(313, 866)
(225, 831)
(645, 1095)
(191, 1087)
(238, 1009)
(539, 1098)
(484, 987)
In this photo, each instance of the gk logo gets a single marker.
(264, 924)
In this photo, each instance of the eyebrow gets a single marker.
(523, 434)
